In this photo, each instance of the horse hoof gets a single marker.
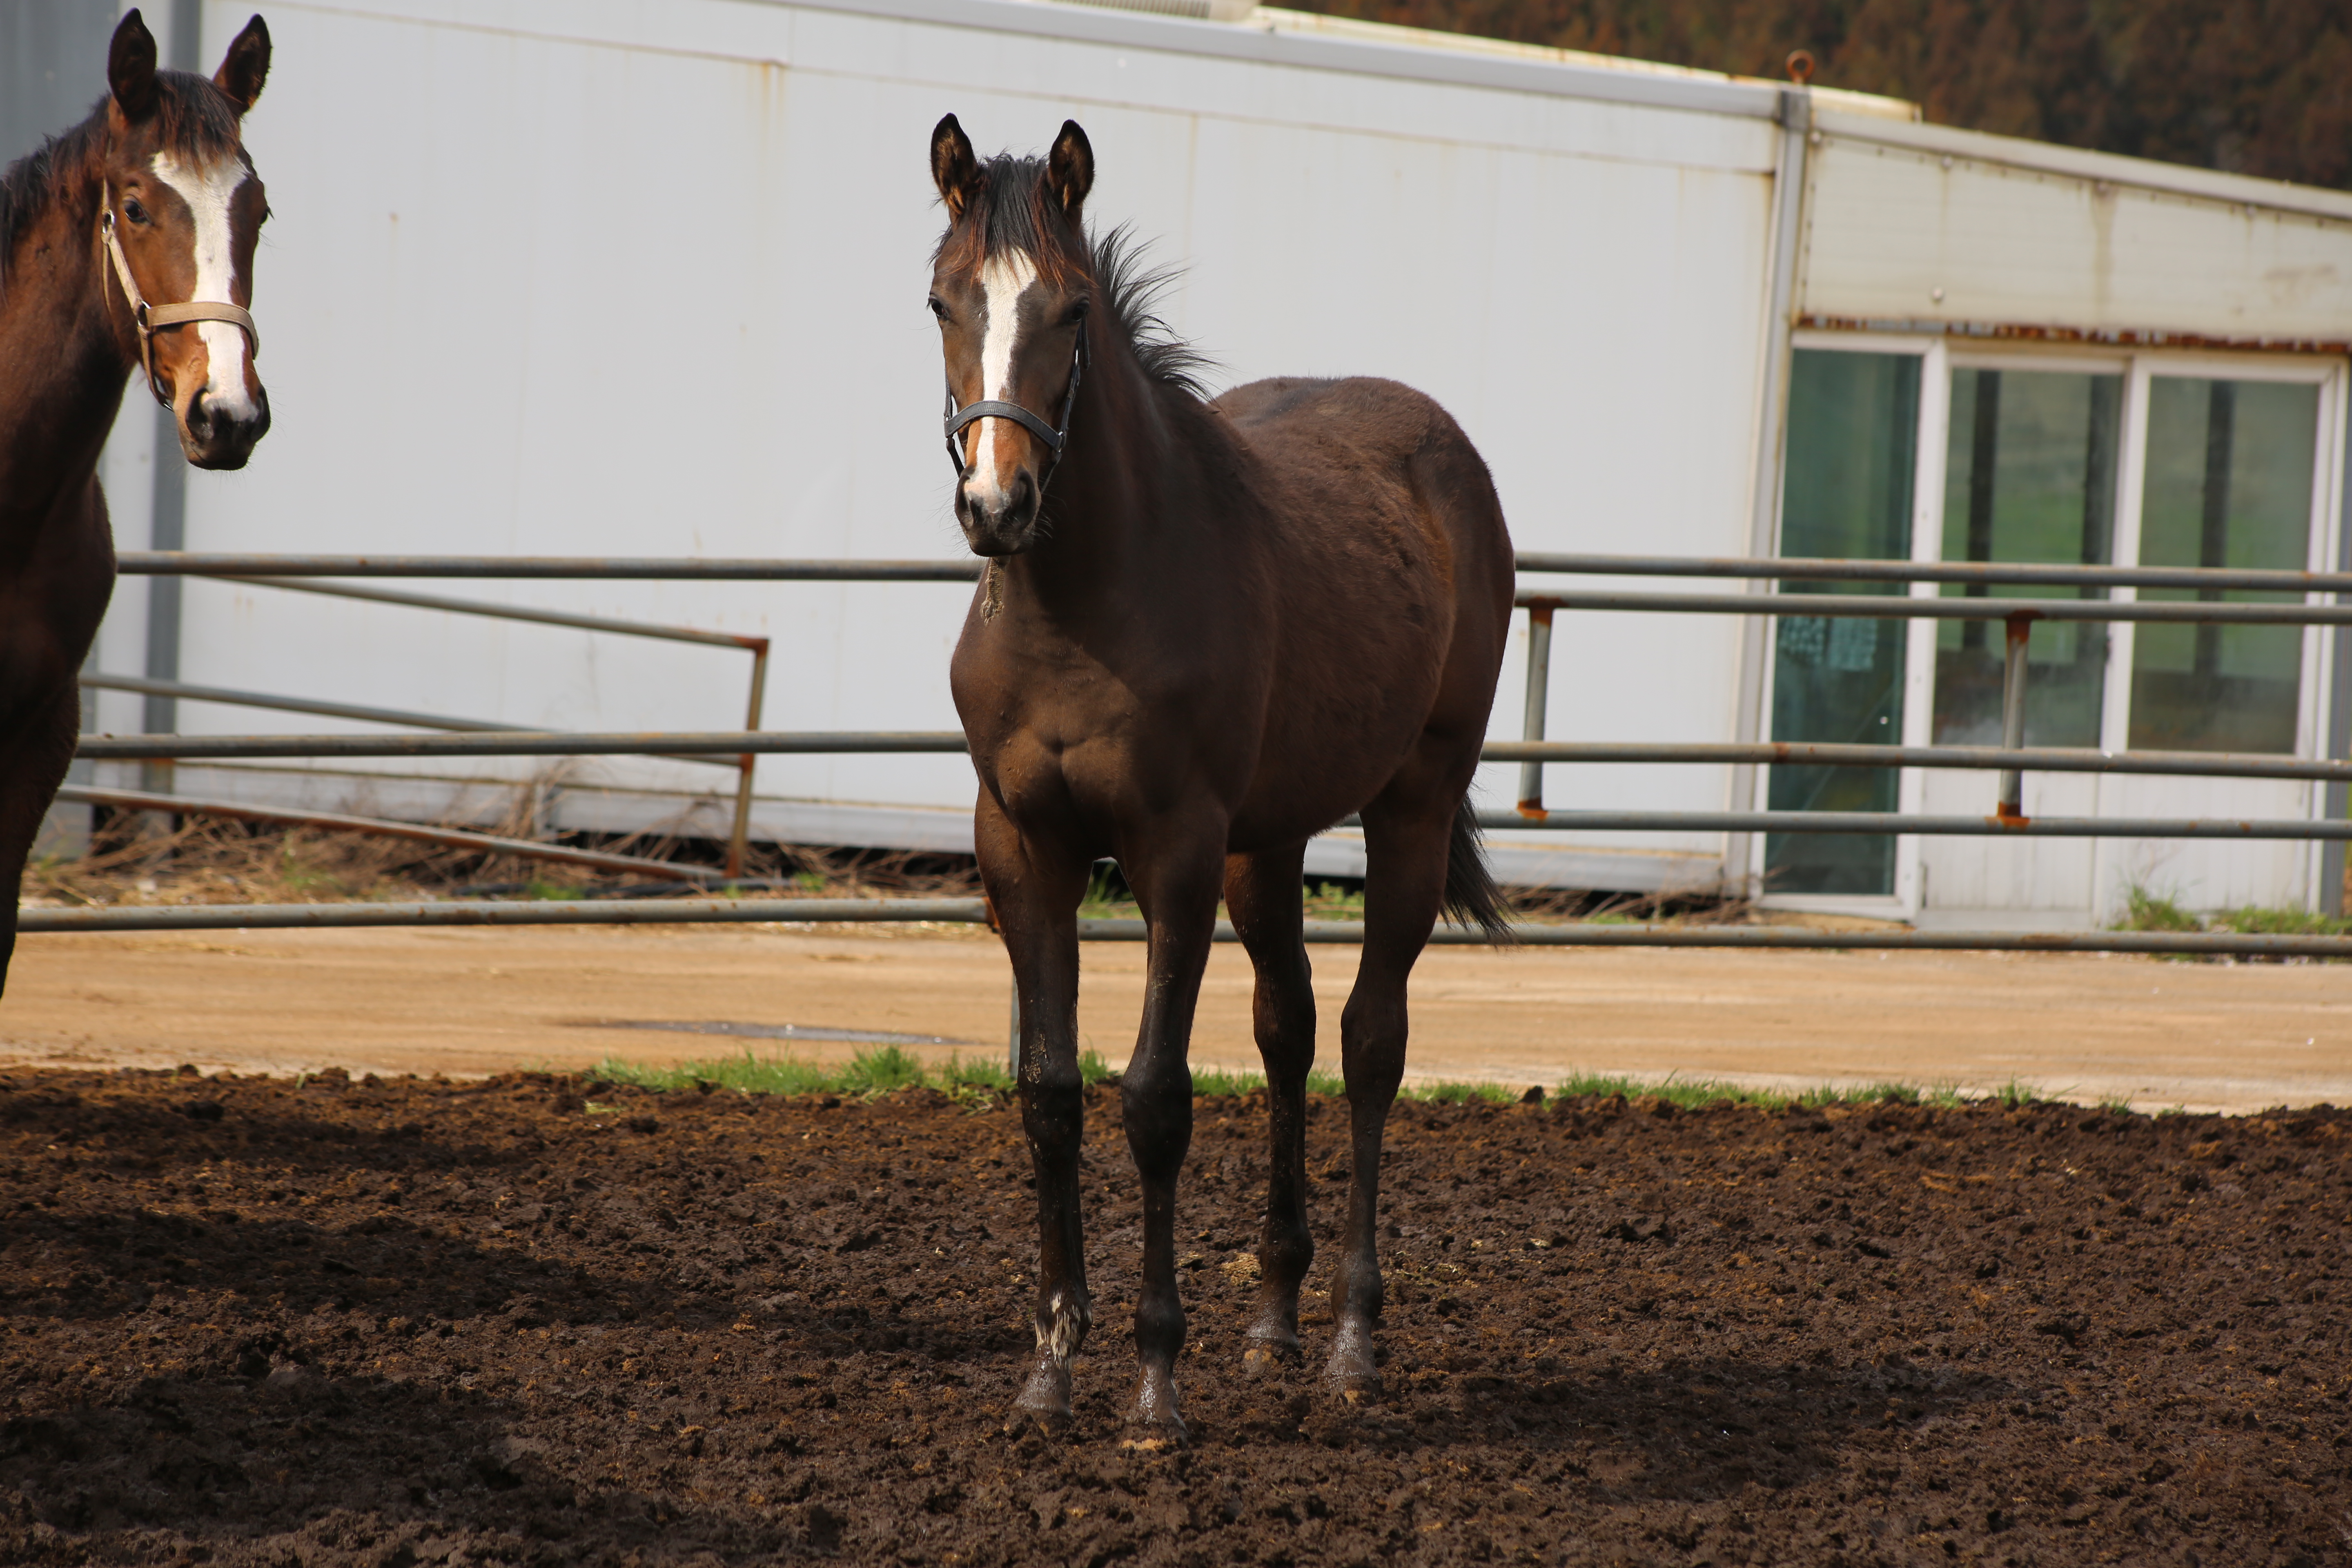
(1351, 1372)
(1044, 1402)
(1156, 1414)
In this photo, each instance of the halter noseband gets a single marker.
(151, 319)
(993, 408)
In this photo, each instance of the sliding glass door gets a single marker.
(2029, 475)
(1894, 451)
(1854, 427)
(2230, 467)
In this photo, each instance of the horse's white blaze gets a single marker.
(1004, 279)
(207, 191)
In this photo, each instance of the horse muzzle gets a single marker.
(216, 436)
(999, 521)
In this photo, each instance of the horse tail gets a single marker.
(1471, 896)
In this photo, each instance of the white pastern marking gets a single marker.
(1063, 1327)
(207, 192)
(1004, 278)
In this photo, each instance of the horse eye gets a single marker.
(938, 309)
(132, 210)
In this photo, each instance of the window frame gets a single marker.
(1940, 355)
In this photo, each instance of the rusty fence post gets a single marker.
(737, 839)
(2011, 805)
(1538, 699)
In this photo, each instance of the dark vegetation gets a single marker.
(545, 1320)
(2251, 86)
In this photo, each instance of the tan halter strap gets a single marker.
(152, 318)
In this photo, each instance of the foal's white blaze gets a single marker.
(1005, 280)
(207, 192)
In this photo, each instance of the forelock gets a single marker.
(1013, 213)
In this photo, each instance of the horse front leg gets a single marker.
(1035, 889)
(1263, 895)
(1404, 885)
(1176, 873)
(37, 745)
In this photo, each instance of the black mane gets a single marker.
(198, 120)
(1129, 290)
(1012, 213)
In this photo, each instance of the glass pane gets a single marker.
(2030, 475)
(2228, 484)
(1846, 493)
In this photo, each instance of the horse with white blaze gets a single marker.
(125, 242)
(1208, 630)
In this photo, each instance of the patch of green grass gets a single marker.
(1210, 1081)
(2262, 921)
(869, 1072)
(1330, 901)
(2145, 910)
(883, 1069)
(2015, 1095)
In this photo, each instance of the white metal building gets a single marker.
(646, 277)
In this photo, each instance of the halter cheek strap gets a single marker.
(995, 408)
(152, 318)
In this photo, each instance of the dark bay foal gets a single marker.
(126, 241)
(1208, 630)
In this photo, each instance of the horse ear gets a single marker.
(246, 66)
(1070, 170)
(953, 168)
(131, 69)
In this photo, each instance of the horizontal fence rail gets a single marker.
(590, 568)
(498, 742)
(509, 612)
(691, 569)
(1888, 607)
(973, 911)
(523, 743)
(2040, 759)
(1803, 568)
(1993, 826)
(230, 697)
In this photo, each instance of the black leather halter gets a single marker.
(993, 408)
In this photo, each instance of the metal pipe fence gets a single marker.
(973, 911)
(2011, 760)
(445, 837)
(290, 573)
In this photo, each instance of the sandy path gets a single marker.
(2209, 1037)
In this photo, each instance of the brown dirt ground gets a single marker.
(2210, 1037)
(418, 1322)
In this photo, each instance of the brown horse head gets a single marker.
(1011, 286)
(184, 208)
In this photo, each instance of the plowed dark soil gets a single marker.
(538, 1321)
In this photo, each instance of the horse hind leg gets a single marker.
(1262, 896)
(1407, 845)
